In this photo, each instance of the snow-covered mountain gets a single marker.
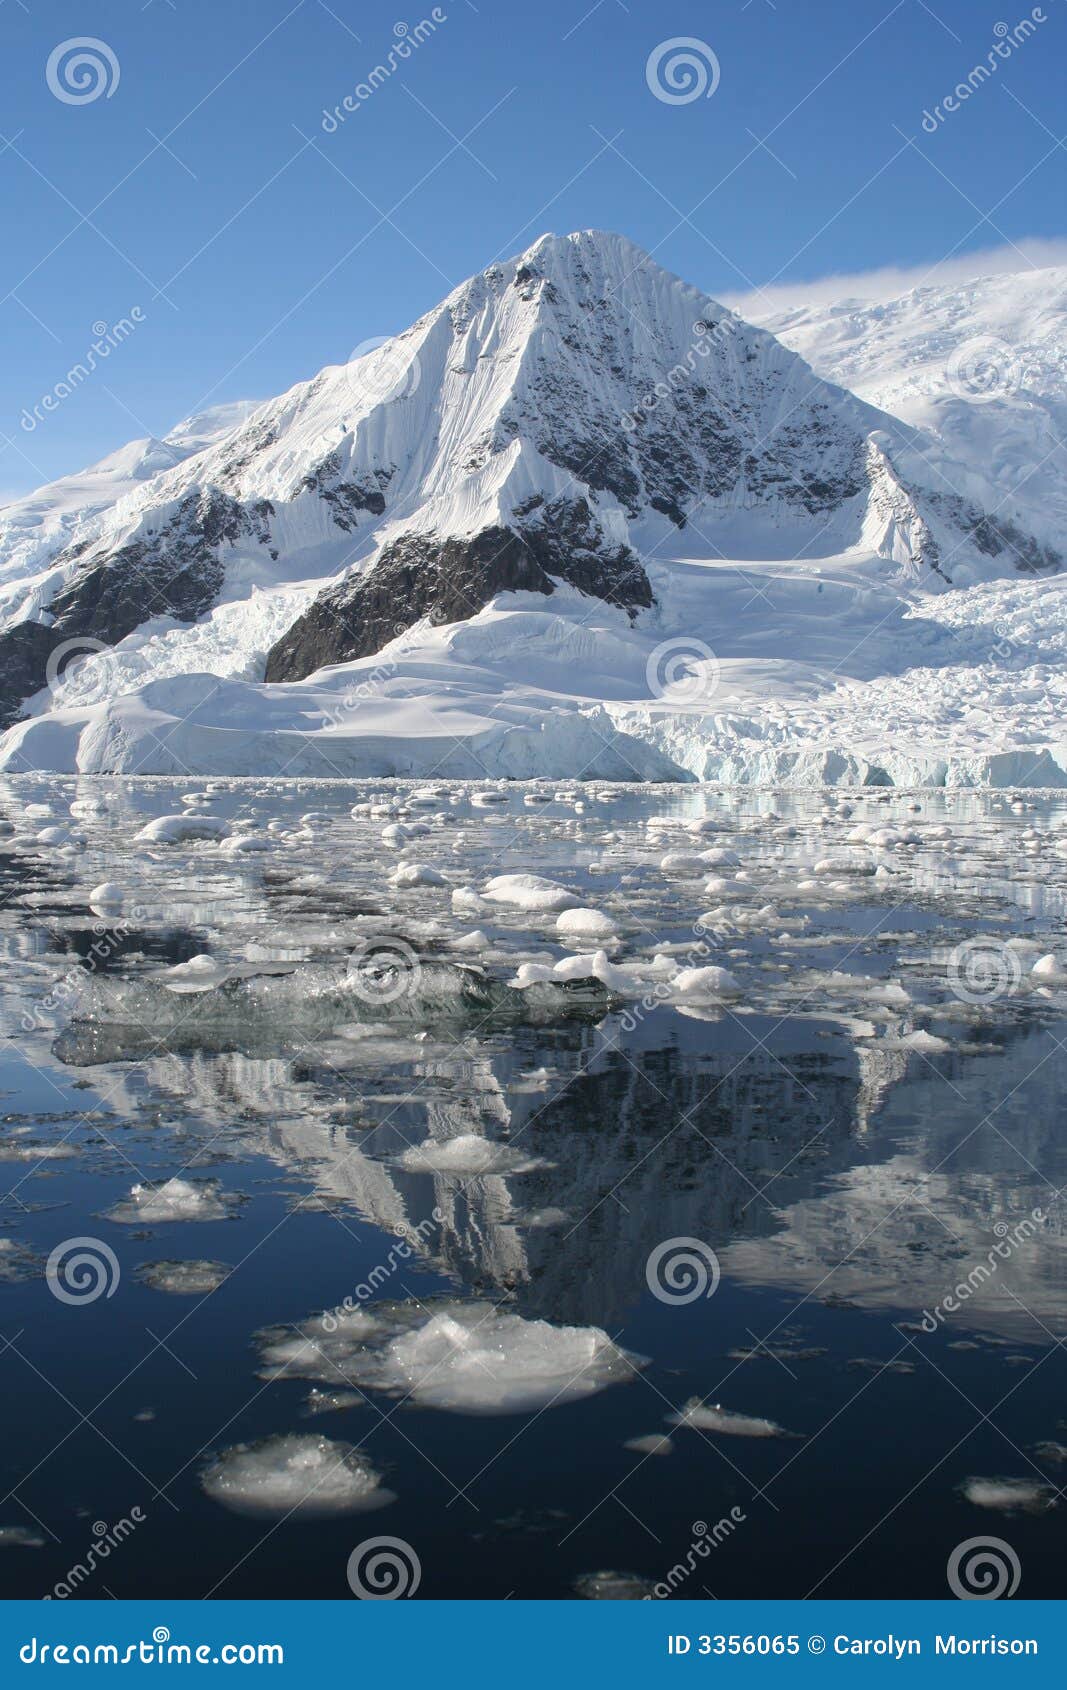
(35, 528)
(577, 519)
(982, 365)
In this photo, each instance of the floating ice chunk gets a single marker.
(540, 1219)
(575, 967)
(246, 844)
(1009, 1496)
(1048, 968)
(295, 1474)
(199, 974)
(622, 980)
(532, 974)
(37, 1152)
(613, 1587)
(416, 874)
(171, 830)
(489, 795)
(684, 865)
(710, 982)
(655, 1443)
(20, 1537)
(463, 1357)
(830, 865)
(465, 899)
(109, 892)
(720, 859)
(173, 1200)
(329, 1402)
(529, 892)
(929, 1043)
(476, 941)
(469, 1154)
(186, 1278)
(716, 885)
(397, 834)
(710, 1417)
(584, 922)
(891, 993)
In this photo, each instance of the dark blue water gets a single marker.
(846, 1185)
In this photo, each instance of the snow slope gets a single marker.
(981, 365)
(34, 529)
(579, 519)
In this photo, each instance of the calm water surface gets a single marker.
(845, 1137)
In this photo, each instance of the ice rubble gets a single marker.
(295, 1473)
(118, 1019)
(184, 1278)
(464, 1357)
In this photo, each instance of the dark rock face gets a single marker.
(450, 580)
(348, 500)
(174, 571)
(994, 535)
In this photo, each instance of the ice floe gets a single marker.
(295, 1473)
(464, 1357)
(174, 1200)
(711, 1417)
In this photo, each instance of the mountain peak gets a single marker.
(554, 433)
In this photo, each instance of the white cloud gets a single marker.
(891, 281)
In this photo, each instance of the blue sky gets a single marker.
(258, 245)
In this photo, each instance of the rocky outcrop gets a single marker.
(449, 579)
(348, 500)
(175, 570)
